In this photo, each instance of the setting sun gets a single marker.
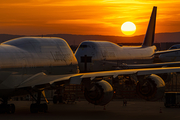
(128, 28)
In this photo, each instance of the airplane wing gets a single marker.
(166, 51)
(139, 66)
(43, 81)
(153, 65)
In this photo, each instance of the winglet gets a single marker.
(149, 37)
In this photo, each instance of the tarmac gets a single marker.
(82, 110)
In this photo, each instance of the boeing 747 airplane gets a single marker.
(104, 55)
(32, 64)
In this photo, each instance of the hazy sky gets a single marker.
(97, 17)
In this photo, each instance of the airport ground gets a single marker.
(136, 109)
(82, 110)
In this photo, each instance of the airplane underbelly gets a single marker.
(12, 92)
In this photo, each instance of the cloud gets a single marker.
(103, 14)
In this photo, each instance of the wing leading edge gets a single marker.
(166, 51)
(43, 81)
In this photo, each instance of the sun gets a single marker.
(128, 28)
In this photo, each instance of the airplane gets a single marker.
(105, 55)
(31, 65)
(170, 55)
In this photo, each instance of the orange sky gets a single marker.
(86, 17)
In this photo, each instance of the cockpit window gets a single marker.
(83, 46)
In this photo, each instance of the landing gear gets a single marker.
(7, 108)
(37, 107)
(59, 97)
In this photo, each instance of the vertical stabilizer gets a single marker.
(149, 37)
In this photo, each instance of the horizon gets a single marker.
(74, 39)
(84, 34)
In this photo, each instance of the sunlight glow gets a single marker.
(128, 28)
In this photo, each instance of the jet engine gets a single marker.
(100, 93)
(152, 87)
(166, 76)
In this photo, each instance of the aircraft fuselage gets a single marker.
(24, 57)
(103, 55)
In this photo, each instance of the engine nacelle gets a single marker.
(152, 87)
(100, 93)
(166, 76)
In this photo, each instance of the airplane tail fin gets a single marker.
(149, 37)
